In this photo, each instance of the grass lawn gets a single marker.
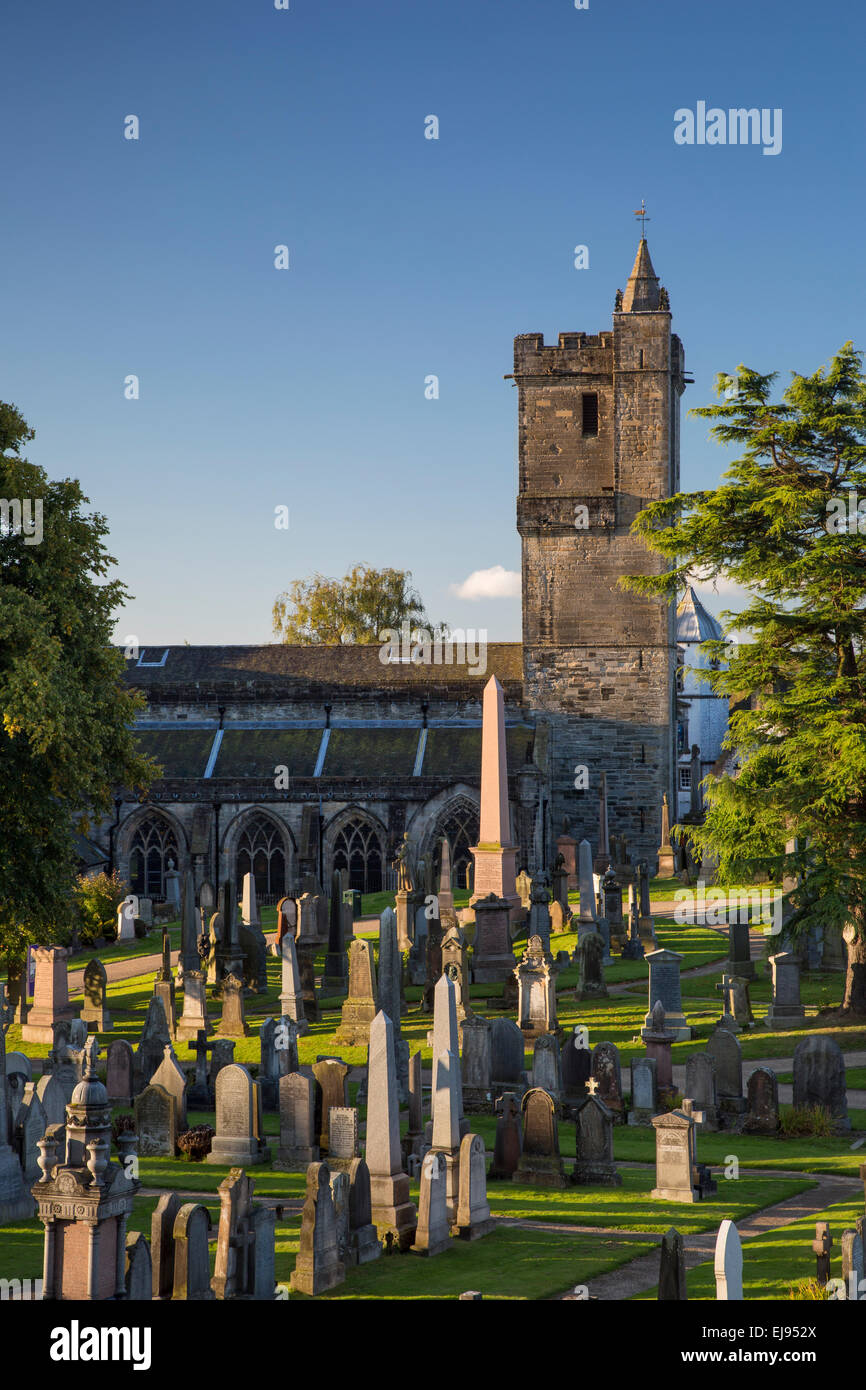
(855, 1078)
(776, 1260)
(808, 1155)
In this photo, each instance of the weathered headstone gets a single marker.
(162, 1250)
(658, 1041)
(392, 1212)
(594, 1162)
(233, 1024)
(95, 1013)
(238, 1140)
(700, 1088)
(364, 1243)
(152, 1043)
(672, 1268)
(508, 1143)
(194, 1018)
(762, 1098)
(679, 1177)
(361, 1005)
(547, 1066)
(576, 1060)
(473, 1210)
(475, 1063)
(590, 960)
(137, 1274)
(291, 988)
(536, 985)
(191, 1272)
(492, 957)
(239, 1262)
(336, 972)
(644, 1094)
(298, 1138)
(664, 985)
(170, 1075)
(819, 1079)
(540, 1162)
(507, 1057)
(433, 1233)
(318, 1266)
(156, 1122)
(31, 1123)
(727, 1055)
(50, 995)
(785, 1010)
(605, 1068)
(278, 1039)
(53, 1100)
(342, 1137)
(332, 1089)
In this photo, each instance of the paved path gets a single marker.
(642, 1274)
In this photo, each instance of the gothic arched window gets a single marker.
(152, 852)
(358, 848)
(261, 853)
(460, 826)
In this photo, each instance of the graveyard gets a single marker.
(573, 1097)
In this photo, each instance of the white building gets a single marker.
(702, 716)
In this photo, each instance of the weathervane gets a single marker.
(642, 214)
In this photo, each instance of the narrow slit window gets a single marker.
(590, 412)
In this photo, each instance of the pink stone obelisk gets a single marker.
(495, 853)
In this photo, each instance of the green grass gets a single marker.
(807, 1155)
(855, 1078)
(775, 1260)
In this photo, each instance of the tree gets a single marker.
(65, 740)
(796, 805)
(354, 609)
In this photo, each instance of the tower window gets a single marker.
(590, 412)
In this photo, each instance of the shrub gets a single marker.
(807, 1120)
(671, 1102)
(196, 1143)
(808, 1289)
(96, 902)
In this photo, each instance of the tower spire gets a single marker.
(642, 291)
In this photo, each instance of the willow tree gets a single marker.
(788, 524)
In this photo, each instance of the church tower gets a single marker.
(598, 440)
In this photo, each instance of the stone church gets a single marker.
(285, 761)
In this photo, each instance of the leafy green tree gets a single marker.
(97, 899)
(354, 609)
(796, 805)
(65, 740)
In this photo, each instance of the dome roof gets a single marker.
(694, 623)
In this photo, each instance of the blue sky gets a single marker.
(408, 257)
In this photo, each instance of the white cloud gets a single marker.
(497, 582)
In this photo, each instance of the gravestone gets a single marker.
(672, 1268)
(590, 960)
(364, 1244)
(507, 1057)
(727, 1055)
(340, 1199)
(233, 1024)
(852, 1264)
(644, 1093)
(291, 988)
(342, 1137)
(361, 1005)
(169, 1075)
(739, 960)
(523, 883)
(278, 1040)
(162, 1250)
(318, 1266)
(138, 1274)
(576, 1059)
(332, 1089)
(819, 1079)
(298, 1147)
(587, 888)
(539, 910)
(156, 1123)
(540, 1162)
(433, 1233)
(194, 1018)
(664, 985)
(50, 995)
(391, 1211)
(446, 1122)
(445, 1037)
(253, 935)
(245, 1243)
(594, 1162)
(679, 1177)
(152, 1043)
(476, 1064)
(336, 972)
(94, 1013)
(53, 1099)
(238, 1140)
(508, 1143)
(454, 965)
(190, 926)
(126, 915)
(473, 1211)
(700, 1088)
(536, 991)
(785, 1010)
(163, 985)
(415, 1132)
(728, 1263)
(222, 1054)
(31, 1123)
(821, 1246)
(658, 1041)
(762, 1099)
(492, 956)
(191, 1273)
(547, 1066)
(605, 1068)
(736, 1004)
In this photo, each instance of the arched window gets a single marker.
(460, 826)
(152, 852)
(260, 853)
(357, 847)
